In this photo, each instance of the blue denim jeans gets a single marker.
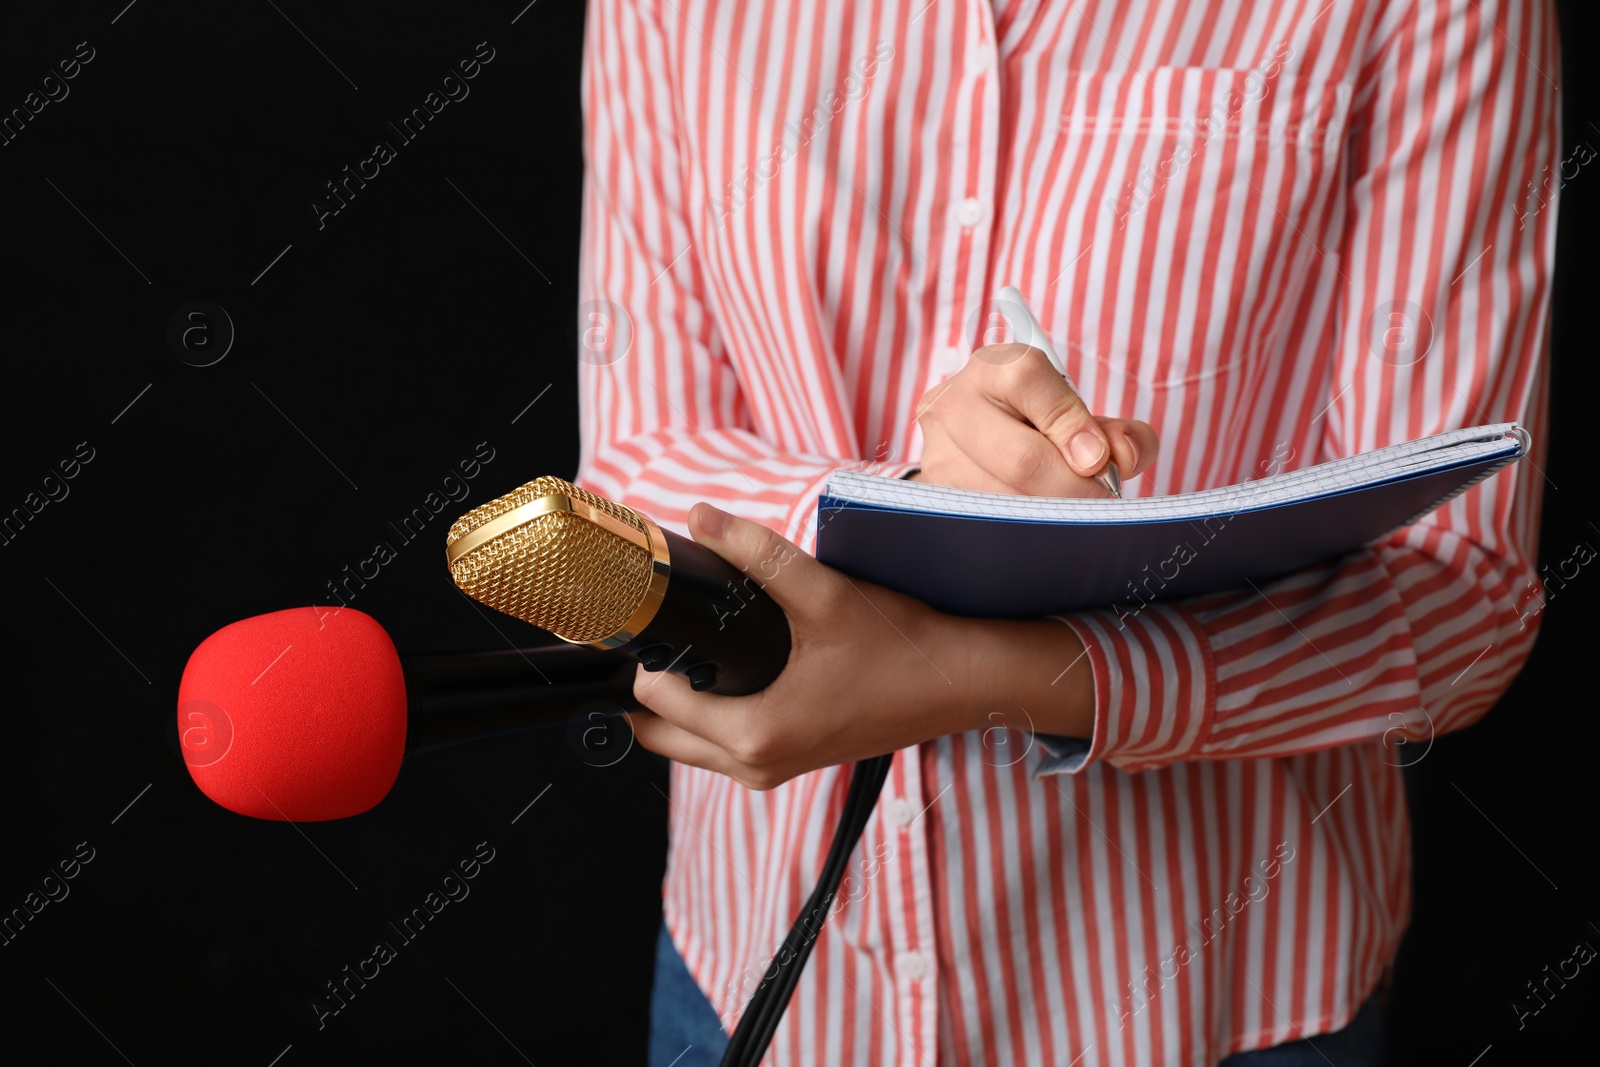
(685, 1030)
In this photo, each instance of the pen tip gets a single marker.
(1112, 480)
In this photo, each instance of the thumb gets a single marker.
(777, 564)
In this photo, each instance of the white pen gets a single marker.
(1029, 332)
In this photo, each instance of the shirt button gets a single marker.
(970, 212)
(982, 59)
(902, 812)
(913, 965)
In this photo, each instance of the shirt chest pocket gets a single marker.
(1206, 200)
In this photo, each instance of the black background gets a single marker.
(434, 312)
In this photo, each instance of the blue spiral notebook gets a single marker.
(989, 554)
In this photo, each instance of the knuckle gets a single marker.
(1021, 466)
(770, 546)
(1002, 357)
(649, 745)
(769, 558)
(1014, 371)
(752, 748)
(929, 408)
(829, 598)
(640, 685)
(762, 779)
(1063, 415)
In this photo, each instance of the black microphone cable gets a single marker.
(653, 595)
(762, 1015)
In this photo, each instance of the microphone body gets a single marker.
(594, 572)
(715, 625)
(454, 697)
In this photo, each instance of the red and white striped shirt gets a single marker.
(1279, 232)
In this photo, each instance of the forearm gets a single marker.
(1026, 674)
(665, 470)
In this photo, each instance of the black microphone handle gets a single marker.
(716, 624)
(453, 697)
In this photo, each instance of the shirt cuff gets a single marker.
(1154, 691)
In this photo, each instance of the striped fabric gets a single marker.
(1280, 232)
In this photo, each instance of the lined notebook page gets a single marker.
(1397, 462)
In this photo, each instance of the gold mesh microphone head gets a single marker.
(584, 568)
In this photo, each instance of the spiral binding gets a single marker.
(1524, 443)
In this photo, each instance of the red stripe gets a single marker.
(1234, 308)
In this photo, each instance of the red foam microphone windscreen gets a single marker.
(298, 716)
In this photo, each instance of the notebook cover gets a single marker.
(1009, 568)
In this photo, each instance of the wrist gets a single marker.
(948, 643)
(1034, 672)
